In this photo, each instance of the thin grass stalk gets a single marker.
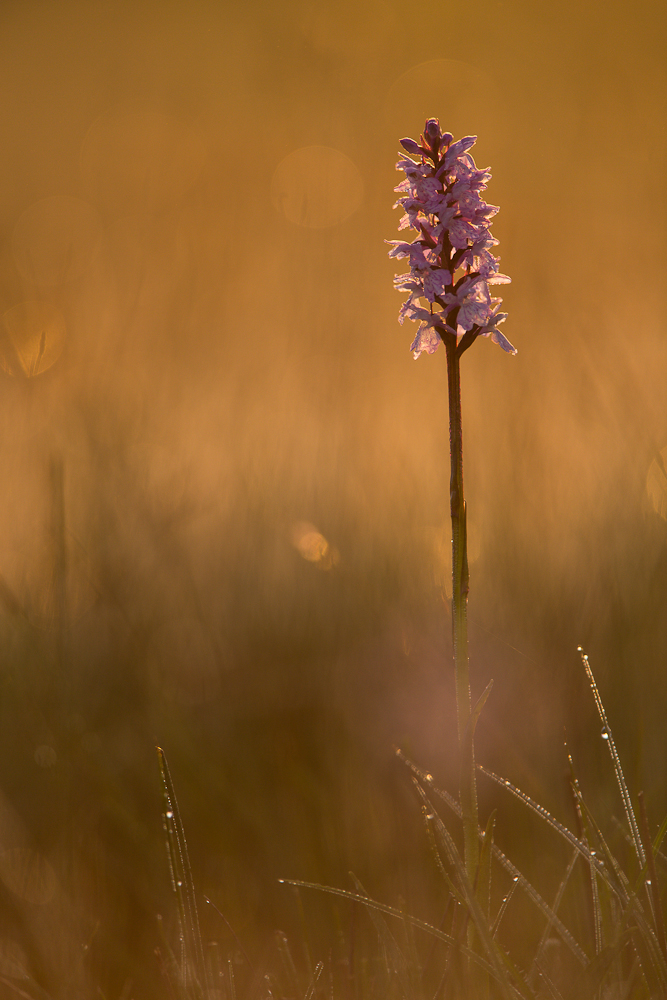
(285, 953)
(658, 840)
(193, 966)
(317, 972)
(555, 906)
(396, 963)
(239, 943)
(585, 839)
(652, 882)
(616, 760)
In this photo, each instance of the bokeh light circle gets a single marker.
(32, 337)
(313, 546)
(458, 93)
(316, 187)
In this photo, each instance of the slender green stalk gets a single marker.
(460, 583)
(460, 586)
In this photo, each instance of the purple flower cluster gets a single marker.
(451, 262)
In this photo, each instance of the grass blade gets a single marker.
(193, 967)
(517, 877)
(618, 770)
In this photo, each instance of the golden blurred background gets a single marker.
(224, 504)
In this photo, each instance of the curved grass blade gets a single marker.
(514, 873)
(553, 822)
(392, 911)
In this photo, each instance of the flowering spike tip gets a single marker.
(451, 263)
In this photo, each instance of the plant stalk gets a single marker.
(460, 586)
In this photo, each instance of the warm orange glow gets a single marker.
(224, 482)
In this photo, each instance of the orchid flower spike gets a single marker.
(451, 260)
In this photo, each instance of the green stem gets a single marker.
(468, 787)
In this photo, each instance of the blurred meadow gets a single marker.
(224, 514)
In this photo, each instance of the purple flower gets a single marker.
(427, 341)
(451, 260)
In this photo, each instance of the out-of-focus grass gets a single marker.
(278, 688)
(226, 377)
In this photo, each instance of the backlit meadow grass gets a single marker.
(225, 514)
